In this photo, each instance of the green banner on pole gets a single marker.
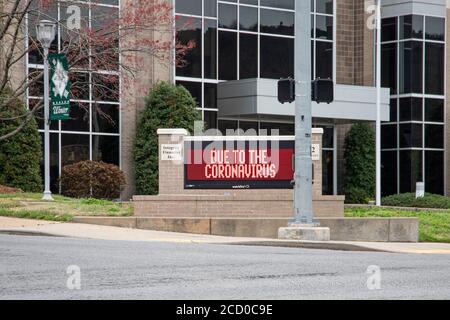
(59, 87)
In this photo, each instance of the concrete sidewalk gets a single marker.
(77, 230)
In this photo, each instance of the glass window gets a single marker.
(105, 118)
(74, 148)
(277, 57)
(210, 54)
(389, 136)
(388, 173)
(324, 6)
(435, 28)
(211, 119)
(434, 110)
(227, 16)
(79, 85)
(389, 29)
(248, 18)
(105, 87)
(210, 7)
(282, 4)
(189, 7)
(195, 88)
(327, 172)
(324, 60)
(284, 129)
(434, 136)
(324, 27)
(328, 137)
(410, 170)
(434, 68)
(79, 118)
(410, 109)
(106, 149)
(210, 96)
(225, 126)
(411, 135)
(36, 82)
(248, 56)
(189, 30)
(254, 2)
(411, 59)
(227, 55)
(411, 27)
(389, 66)
(277, 22)
(393, 110)
(434, 167)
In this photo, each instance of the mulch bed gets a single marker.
(9, 190)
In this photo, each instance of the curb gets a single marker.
(311, 245)
(29, 233)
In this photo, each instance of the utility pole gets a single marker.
(378, 120)
(303, 226)
(303, 119)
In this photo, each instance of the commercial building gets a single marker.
(244, 46)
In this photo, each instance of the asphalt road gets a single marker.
(36, 268)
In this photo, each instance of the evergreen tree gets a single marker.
(167, 106)
(360, 164)
(21, 154)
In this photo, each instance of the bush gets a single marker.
(409, 200)
(90, 179)
(359, 184)
(21, 154)
(167, 106)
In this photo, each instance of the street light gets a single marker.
(46, 31)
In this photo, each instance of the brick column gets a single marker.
(171, 173)
(317, 134)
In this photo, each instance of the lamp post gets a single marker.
(46, 31)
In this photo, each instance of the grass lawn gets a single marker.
(30, 205)
(434, 226)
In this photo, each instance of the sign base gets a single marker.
(306, 233)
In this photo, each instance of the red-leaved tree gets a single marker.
(105, 47)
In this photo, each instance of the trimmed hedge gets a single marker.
(409, 200)
(91, 179)
(359, 184)
(167, 106)
(21, 154)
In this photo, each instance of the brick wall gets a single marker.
(174, 201)
(354, 44)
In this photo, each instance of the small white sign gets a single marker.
(171, 152)
(315, 152)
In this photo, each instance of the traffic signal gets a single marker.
(286, 90)
(322, 91)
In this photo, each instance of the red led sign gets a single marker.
(213, 165)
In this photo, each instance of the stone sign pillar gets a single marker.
(316, 143)
(171, 164)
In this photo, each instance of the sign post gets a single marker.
(59, 87)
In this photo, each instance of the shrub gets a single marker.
(409, 200)
(88, 179)
(167, 106)
(359, 184)
(21, 154)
